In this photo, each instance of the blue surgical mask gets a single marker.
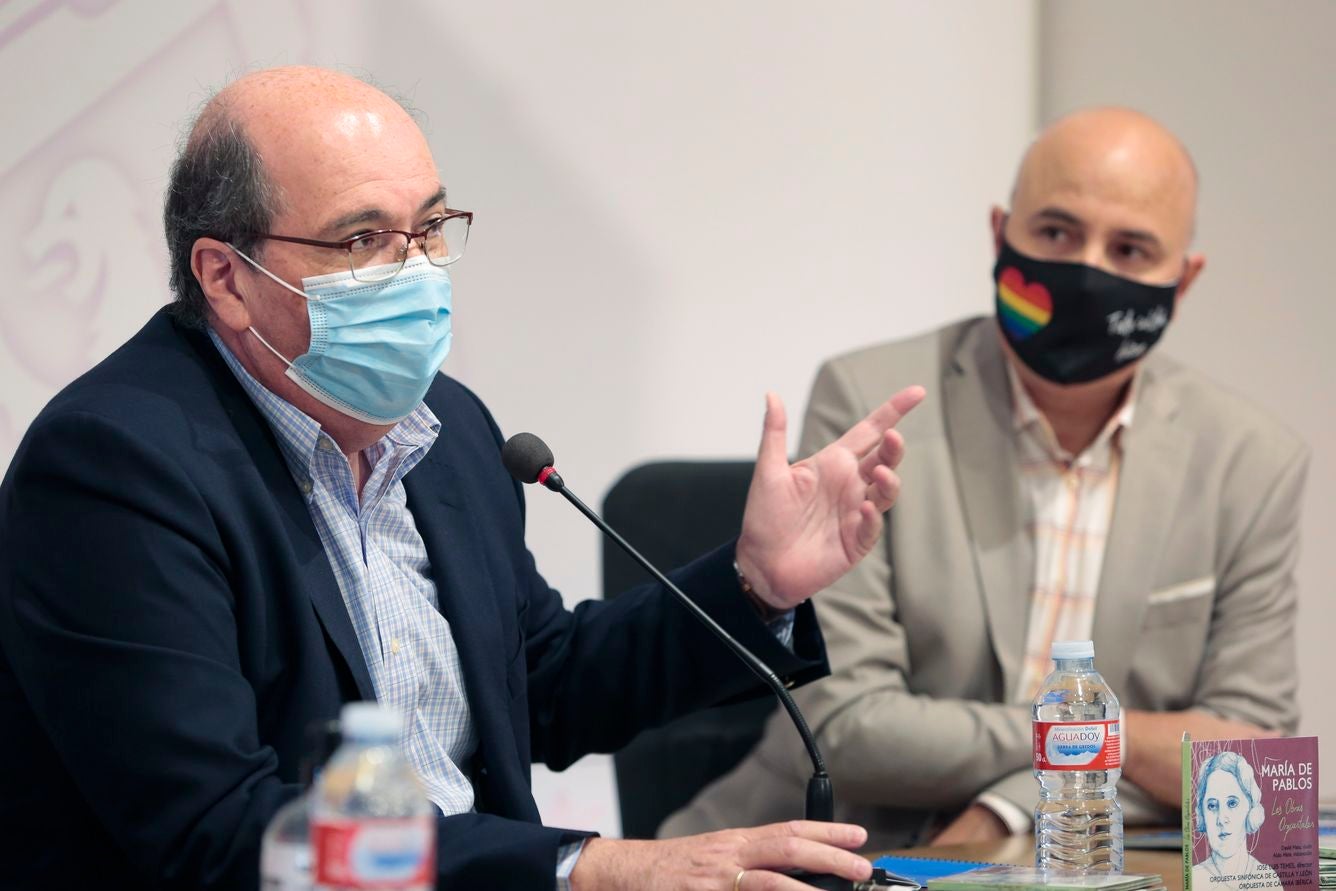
(375, 348)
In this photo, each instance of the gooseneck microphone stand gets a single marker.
(529, 460)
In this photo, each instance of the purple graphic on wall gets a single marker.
(82, 171)
(89, 216)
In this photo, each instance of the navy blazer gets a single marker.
(170, 625)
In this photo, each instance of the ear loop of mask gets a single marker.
(251, 328)
(270, 347)
(293, 374)
(302, 294)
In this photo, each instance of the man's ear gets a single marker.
(1192, 267)
(215, 266)
(997, 219)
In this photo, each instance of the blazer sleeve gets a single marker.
(484, 851)
(1139, 809)
(883, 742)
(604, 671)
(117, 621)
(601, 673)
(1249, 669)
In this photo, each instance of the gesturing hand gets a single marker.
(808, 523)
(742, 859)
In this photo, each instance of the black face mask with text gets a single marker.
(1072, 323)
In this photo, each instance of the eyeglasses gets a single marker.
(378, 256)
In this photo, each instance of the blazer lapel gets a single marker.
(317, 578)
(1150, 482)
(977, 409)
(468, 599)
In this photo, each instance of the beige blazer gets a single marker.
(1196, 603)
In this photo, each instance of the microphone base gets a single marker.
(820, 799)
(825, 882)
(880, 879)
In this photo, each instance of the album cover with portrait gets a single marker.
(1250, 814)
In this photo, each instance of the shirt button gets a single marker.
(325, 443)
(306, 487)
(394, 646)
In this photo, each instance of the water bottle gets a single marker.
(285, 851)
(371, 824)
(1078, 822)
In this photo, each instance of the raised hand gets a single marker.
(808, 523)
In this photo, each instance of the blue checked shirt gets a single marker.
(381, 566)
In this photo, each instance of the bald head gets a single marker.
(1115, 153)
(319, 133)
(306, 104)
(1107, 187)
(1114, 139)
(296, 151)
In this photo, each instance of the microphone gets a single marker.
(529, 460)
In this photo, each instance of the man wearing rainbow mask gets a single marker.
(1068, 483)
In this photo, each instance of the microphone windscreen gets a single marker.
(525, 456)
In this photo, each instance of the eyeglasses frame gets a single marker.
(347, 243)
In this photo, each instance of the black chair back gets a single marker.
(672, 512)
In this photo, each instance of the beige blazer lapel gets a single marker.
(977, 408)
(1150, 484)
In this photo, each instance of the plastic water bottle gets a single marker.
(1078, 758)
(371, 824)
(285, 851)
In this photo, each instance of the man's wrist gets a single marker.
(1008, 813)
(611, 863)
(767, 612)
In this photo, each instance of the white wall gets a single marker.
(682, 205)
(1251, 89)
(679, 206)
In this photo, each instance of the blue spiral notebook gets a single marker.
(916, 871)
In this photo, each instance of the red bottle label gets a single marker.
(1091, 745)
(385, 855)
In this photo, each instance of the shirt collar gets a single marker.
(1026, 416)
(299, 434)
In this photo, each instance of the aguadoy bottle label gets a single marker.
(1089, 745)
(375, 853)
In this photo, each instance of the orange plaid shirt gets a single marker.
(1069, 501)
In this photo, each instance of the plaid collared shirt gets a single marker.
(381, 566)
(1070, 501)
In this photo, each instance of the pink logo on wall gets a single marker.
(90, 232)
(105, 88)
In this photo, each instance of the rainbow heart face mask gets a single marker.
(1071, 323)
